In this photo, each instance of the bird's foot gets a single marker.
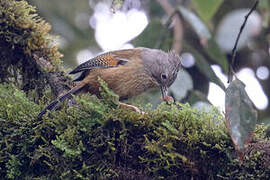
(168, 99)
(133, 108)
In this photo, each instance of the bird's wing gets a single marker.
(108, 60)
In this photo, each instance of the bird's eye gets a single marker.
(163, 76)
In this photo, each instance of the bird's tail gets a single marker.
(53, 104)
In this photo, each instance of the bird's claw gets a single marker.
(168, 99)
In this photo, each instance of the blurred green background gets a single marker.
(87, 28)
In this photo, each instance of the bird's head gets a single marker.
(162, 66)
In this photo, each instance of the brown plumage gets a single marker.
(127, 72)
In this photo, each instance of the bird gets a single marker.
(127, 72)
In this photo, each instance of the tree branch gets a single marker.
(231, 71)
(58, 81)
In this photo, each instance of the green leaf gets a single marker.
(206, 8)
(152, 34)
(210, 46)
(204, 67)
(241, 117)
(196, 23)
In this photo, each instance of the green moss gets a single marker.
(109, 98)
(27, 49)
(21, 27)
(97, 140)
(12, 166)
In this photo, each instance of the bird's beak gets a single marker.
(164, 91)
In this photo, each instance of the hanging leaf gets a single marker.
(206, 9)
(241, 117)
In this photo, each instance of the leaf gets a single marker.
(205, 67)
(196, 23)
(210, 46)
(206, 8)
(241, 117)
(151, 34)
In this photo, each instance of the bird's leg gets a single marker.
(133, 108)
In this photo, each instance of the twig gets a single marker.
(177, 28)
(231, 64)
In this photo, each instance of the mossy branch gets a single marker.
(96, 140)
(28, 57)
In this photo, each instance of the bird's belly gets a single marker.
(124, 81)
(130, 84)
(131, 88)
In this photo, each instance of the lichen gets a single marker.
(93, 140)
